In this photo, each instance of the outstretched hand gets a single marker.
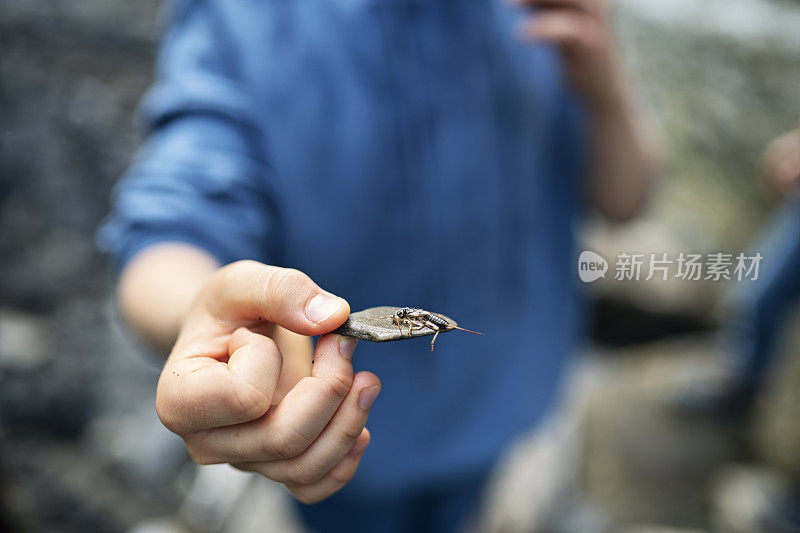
(218, 388)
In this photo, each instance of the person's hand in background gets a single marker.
(623, 160)
(219, 389)
(780, 168)
(582, 31)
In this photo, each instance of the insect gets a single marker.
(420, 319)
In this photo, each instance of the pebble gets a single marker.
(367, 325)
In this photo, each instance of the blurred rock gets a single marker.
(536, 486)
(642, 463)
(161, 525)
(776, 430)
(71, 78)
(264, 503)
(25, 341)
(39, 391)
(659, 529)
(691, 298)
(122, 439)
(754, 500)
(71, 74)
(213, 496)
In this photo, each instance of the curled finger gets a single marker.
(197, 393)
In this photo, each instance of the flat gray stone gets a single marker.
(368, 326)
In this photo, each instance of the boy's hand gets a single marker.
(582, 31)
(217, 387)
(622, 154)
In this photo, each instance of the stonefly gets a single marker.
(417, 319)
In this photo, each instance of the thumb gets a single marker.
(248, 291)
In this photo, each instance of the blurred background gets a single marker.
(81, 448)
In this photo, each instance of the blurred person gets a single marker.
(758, 314)
(759, 309)
(435, 154)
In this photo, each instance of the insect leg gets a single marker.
(396, 322)
(434, 327)
(413, 324)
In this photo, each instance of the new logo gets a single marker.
(591, 266)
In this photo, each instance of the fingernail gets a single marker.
(358, 447)
(347, 345)
(367, 396)
(322, 306)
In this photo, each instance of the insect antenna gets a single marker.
(467, 330)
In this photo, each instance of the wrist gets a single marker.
(608, 95)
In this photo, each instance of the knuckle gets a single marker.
(269, 348)
(227, 274)
(248, 401)
(339, 384)
(238, 266)
(240, 336)
(303, 474)
(283, 279)
(350, 434)
(200, 455)
(293, 277)
(166, 412)
(244, 467)
(342, 476)
(164, 415)
(202, 459)
(287, 444)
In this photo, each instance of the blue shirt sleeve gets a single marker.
(200, 177)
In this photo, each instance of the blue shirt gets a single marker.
(399, 152)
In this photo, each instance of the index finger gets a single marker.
(248, 292)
